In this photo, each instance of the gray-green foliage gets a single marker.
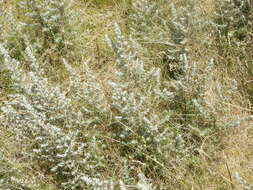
(233, 24)
(153, 124)
(45, 121)
(136, 94)
(59, 129)
(12, 176)
(173, 28)
(47, 26)
(234, 18)
(46, 19)
(139, 91)
(168, 28)
(241, 182)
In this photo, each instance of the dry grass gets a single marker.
(235, 152)
(221, 156)
(216, 169)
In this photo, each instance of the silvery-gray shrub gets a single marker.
(167, 30)
(59, 129)
(233, 18)
(48, 125)
(47, 19)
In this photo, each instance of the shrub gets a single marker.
(11, 177)
(167, 31)
(59, 130)
(185, 116)
(233, 18)
(136, 93)
(47, 26)
(47, 20)
(233, 23)
(153, 124)
(47, 124)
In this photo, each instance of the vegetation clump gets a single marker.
(172, 82)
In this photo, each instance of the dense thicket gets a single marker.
(142, 127)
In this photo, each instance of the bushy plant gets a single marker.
(185, 114)
(46, 123)
(234, 18)
(233, 24)
(60, 130)
(47, 26)
(11, 176)
(136, 94)
(139, 126)
(168, 29)
(47, 20)
(175, 28)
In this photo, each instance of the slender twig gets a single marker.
(230, 176)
